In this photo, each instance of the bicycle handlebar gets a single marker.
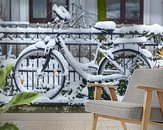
(61, 12)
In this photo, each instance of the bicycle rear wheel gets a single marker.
(29, 77)
(128, 60)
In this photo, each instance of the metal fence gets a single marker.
(80, 42)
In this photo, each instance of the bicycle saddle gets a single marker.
(107, 26)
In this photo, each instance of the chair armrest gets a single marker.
(100, 85)
(98, 90)
(149, 88)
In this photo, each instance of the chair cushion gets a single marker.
(131, 111)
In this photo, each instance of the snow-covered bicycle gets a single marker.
(43, 68)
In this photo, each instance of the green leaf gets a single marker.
(2, 77)
(4, 72)
(19, 99)
(23, 98)
(4, 108)
(8, 68)
(9, 126)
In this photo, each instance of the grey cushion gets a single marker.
(143, 77)
(121, 109)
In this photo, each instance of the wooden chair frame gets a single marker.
(146, 106)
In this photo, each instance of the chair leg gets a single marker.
(144, 127)
(146, 109)
(94, 121)
(124, 125)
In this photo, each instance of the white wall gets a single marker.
(20, 10)
(24, 10)
(89, 11)
(156, 12)
(15, 10)
(153, 10)
(91, 6)
(146, 12)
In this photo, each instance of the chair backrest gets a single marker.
(143, 77)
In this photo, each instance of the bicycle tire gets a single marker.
(121, 57)
(27, 73)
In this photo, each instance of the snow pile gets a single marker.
(105, 25)
(4, 61)
(130, 40)
(1, 35)
(160, 46)
(4, 98)
(44, 99)
(68, 95)
(110, 25)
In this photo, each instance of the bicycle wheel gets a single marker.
(28, 75)
(128, 59)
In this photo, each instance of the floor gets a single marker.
(57, 121)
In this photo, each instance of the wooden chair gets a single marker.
(142, 103)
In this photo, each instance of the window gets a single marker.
(41, 10)
(125, 11)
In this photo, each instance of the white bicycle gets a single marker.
(42, 68)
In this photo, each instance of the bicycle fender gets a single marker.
(135, 47)
(39, 44)
(63, 61)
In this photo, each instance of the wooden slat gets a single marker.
(100, 85)
(113, 95)
(146, 109)
(124, 125)
(94, 121)
(150, 88)
(160, 98)
(119, 119)
(97, 95)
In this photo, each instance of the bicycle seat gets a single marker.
(107, 26)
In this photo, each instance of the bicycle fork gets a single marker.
(47, 60)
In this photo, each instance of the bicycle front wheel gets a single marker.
(28, 74)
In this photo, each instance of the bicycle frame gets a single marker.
(79, 67)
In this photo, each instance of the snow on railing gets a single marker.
(155, 28)
(19, 34)
(31, 35)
